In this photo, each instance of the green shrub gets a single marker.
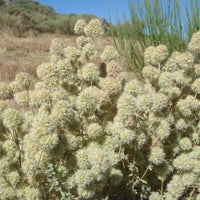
(77, 134)
(24, 15)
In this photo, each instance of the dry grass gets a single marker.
(25, 54)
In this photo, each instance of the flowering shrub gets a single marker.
(78, 135)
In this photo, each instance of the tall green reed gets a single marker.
(154, 22)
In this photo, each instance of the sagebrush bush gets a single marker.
(79, 135)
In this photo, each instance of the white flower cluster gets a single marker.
(80, 135)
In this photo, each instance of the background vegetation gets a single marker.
(155, 22)
(20, 16)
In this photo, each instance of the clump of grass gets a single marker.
(154, 22)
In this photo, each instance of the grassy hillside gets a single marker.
(20, 16)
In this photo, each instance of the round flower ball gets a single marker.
(147, 54)
(87, 100)
(90, 73)
(89, 51)
(94, 28)
(79, 27)
(71, 53)
(94, 130)
(22, 98)
(157, 155)
(110, 85)
(12, 118)
(150, 73)
(82, 40)
(109, 53)
(24, 79)
(185, 60)
(5, 91)
(185, 144)
(194, 45)
(132, 87)
(56, 46)
(159, 55)
(113, 69)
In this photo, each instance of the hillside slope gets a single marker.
(20, 16)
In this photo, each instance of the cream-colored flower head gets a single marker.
(181, 125)
(170, 65)
(12, 119)
(89, 51)
(194, 45)
(56, 46)
(157, 155)
(81, 41)
(132, 87)
(183, 162)
(42, 125)
(126, 106)
(59, 94)
(62, 112)
(15, 87)
(40, 85)
(185, 60)
(189, 179)
(22, 98)
(147, 55)
(163, 130)
(94, 131)
(5, 91)
(48, 73)
(94, 28)
(79, 27)
(197, 70)
(66, 71)
(109, 54)
(150, 73)
(155, 196)
(159, 55)
(87, 100)
(180, 78)
(24, 80)
(171, 92)
(159, 101)
(143, 103)
(110, 85)
(71, 53)
(90, 73)
(185, 144)
(39, 97)
(2, 106)
(113, 69)
(176, 187)
(196, 86)
(165, 80)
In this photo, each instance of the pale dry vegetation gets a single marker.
(25, 54)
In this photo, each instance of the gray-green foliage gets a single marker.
(155, 22)
(79, 134)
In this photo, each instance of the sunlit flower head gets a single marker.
(81, 41)
(109, 53)
(194, 45)
(90, 73)
(79, 27)
(71, 53)
(5, 91)
(94, 28)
